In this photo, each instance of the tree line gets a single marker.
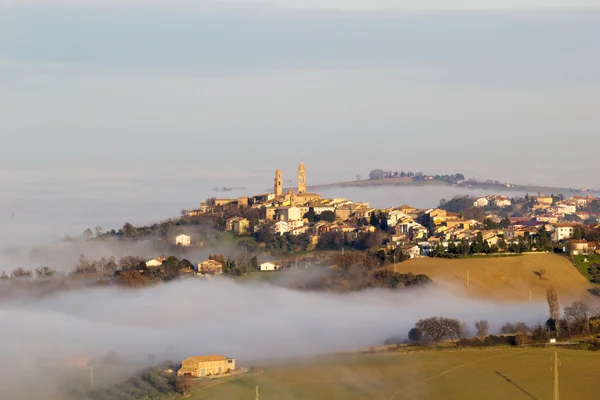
(578, 320)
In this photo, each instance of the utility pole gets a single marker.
(556, 391)
(256, 394)
(394, 262)
(529, 296)
(91, 368)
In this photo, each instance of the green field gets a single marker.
(583, 266)
(500, 373)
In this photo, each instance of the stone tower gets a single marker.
(301, 178)
(278, 187)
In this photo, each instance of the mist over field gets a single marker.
(130, 111)
(251, 322)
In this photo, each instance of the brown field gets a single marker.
(503, 278)
(498, 373)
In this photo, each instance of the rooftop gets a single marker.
(206, 358)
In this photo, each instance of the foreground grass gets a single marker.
(502, 373)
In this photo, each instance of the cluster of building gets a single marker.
(417, 231)
(207, 267)
(545, 208)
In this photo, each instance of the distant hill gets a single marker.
(504, 278)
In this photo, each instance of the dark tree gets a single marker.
(439, 328)
(415, 335)
(45, 272)
(327, 216)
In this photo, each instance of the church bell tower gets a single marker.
(301, 178)
(278, 186)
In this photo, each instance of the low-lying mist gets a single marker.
(249, 321)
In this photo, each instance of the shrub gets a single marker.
(521, 339)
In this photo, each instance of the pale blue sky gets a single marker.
(121, 87)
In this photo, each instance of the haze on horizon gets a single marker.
(172, 87)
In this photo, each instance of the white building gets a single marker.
(269, 266)
(183, 240)
(568, 208)
(282, 227)
(322, 208)
(394, 216)
(155, 262)
(412, 251)
(563, 232)
(481, 202)
(501, 201)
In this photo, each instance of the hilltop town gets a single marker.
(460, 226)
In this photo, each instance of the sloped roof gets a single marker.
(214, 357)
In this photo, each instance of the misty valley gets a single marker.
(299, 199)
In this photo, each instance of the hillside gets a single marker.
(500, 373)
(503, 278)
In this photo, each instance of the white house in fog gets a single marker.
(481, 202)
(155, 262)
(269, 266)
(182, 240)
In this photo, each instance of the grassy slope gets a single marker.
(504, 278)
(468, 374)
(583, 266)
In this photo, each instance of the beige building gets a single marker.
(241, 226)
(278, 185)
(545, 200)
(210, 267)
(288, 214)
(200, 366)
(301, 178)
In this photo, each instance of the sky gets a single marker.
(193, 88)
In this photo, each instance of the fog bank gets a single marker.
(251, 322)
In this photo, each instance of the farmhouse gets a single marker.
(199, 366)
(210, 267)
(577, 247)
(269, 266)
(183, 240)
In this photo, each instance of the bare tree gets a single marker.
(4, 276)
(553, 305)
(45, 272)
(578, 315)
(87, 234)
(482, 327)
(183, 384)
(541, 274)
(439, 328)
(98, 231)
(20, 273)
(517, 327)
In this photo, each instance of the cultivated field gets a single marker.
(502, 373)
(504, 278)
